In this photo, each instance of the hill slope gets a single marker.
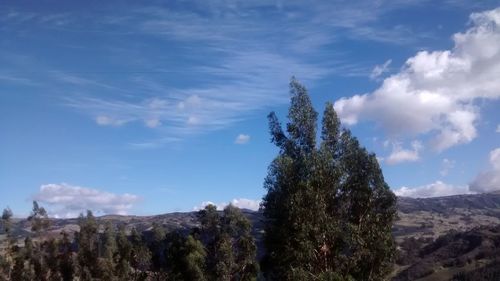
(437, 237)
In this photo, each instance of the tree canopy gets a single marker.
(328, 209)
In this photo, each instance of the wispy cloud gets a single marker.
(18, 80)
(446, 166)
(78, 80)
(18, 17)
(238, 58)
(245, 82)
(379, 70)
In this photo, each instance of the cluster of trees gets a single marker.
(222, 248)
(490, 272)
(327, 215)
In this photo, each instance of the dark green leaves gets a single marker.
(328, 210)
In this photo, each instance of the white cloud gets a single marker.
(153, 123)
(108, 121)
(498, 128)
(489, 180)
(193, 120)
(435, 189)
(249, 204)
(67, 200)
(435, 92)
(446, 166)
(379, 70)
(242, 139)
(400, 155)
(241, 203)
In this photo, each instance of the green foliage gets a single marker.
(224, 258)
(40, 255)
(489, 272)
(157, 248)
(140, 256)
(50, 257)
(6, 222)
(230, 246)
(66, 263)
(39, 218)
(88, 248)
(194, 260)
(328, 210)
(4, 268)
(107, 262)
(6, 260)
(18, 272)
(185, 257)
(302, 116)
(174, 254)
(124, 254)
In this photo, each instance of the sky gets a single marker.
(148, 107)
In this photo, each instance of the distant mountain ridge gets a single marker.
(437, 237)
(417, 216)
(445, 203)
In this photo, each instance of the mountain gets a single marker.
(432, 217)
(437, 237)
(463, 254)
(448, 237)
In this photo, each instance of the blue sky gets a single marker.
(149, 107)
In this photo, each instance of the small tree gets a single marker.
(210, 231)
(6, 222)
(39, 219)
(140, 256)
(6, 261)
(194, 260)
(185, 257)
(18, 271)
(66, 263)
(237, 229)
(157, 247)
(230, 246)
(51, 257)
(109, 252)
(88, 248)
(124, 254)
(174, 255)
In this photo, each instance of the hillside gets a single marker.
(429, 218)
(437, 237)
(420, 218)
(466, 253)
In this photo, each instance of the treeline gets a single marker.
(327, 213)
(490, 272)
(222, 248)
